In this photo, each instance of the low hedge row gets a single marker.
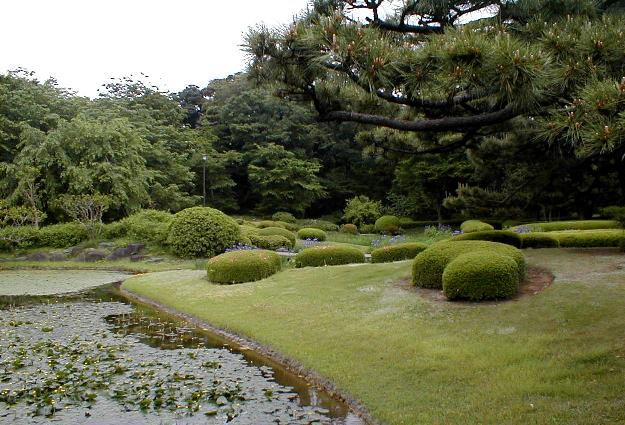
(243, 266)
(319, 256)
(469, 226)
(429, 265)
(61, 235)
(268, 231)
(553, 226)
(604, 238)
(397, 252)
(270, 242)
(327, 226)
(311, 233)
(502, 236)
(538, 240)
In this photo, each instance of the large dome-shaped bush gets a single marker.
(397, 252)
(328, 256)
(428, 266)
(268, 231)
(271, 242)
(481, 275)
(311, 233)
(503, 236)
(202, 232)
(475, 226)
(387, 224)
(243, 266)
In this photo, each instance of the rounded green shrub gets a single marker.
(271, 242)
(247, 230)
(367, 228)
(243, 266)
(311, 233)
(328, 255)
(269, 223)
(397, 252)
(502, 236)
(283, 216)
(475, 226)
(114, 230)
(428, 266)
(387, 224)
(349, 228)
(202, 232)
(149, 226)
(278, 231)
(538, 240)
(481, 275)
(324, 225)
(288, 226)
(61, 235)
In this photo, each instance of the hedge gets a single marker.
(248, 230)
(243, 266)
(397, 252)
(328, 255)
(268, 223)
(61, 235)
(553, 226)
(481, 275)
(469, 226)
(149, 226)
(502, 236)
(202, 232)
(267, 231)
(18, 237)
(327, 226)
(428, 266)
(271, 242)
(603, 238)
(538, 240)
(311, 233)
(387, 224)
(283, 216)
(349, 228)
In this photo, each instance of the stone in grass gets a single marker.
(58, 256)
(136, 248)
(91, 255)
(137, 257)
(118, 253)
(38, 256)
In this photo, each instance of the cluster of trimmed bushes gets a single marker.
(481, 269)
(328, 255)
(243, 266)
(311, 233)
(397, 252)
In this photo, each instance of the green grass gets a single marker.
(554, 358)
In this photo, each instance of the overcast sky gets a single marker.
(83, 43)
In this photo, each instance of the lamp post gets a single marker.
(204, 158)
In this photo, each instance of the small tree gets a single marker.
(362, 210)
(87, 210)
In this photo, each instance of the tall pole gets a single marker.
(204, 158)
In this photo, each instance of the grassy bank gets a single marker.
(557, 357)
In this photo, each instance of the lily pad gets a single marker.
(50, 282)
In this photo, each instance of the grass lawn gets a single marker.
(557, 357)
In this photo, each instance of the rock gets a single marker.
(137, 257)
(135, 248)
(92, 254)
(38, 256)
(154, 260)
(72, 250)
(118, 253)
(58, 256)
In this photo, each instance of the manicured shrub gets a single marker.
(12, 237)
(538, 240)
(278, 231)
(362, 210)
(271, 242)
(283, 216)
(397, 252)
(387, 224)
(481, 275)
(502, 236)
(247, 230)
(600, 238)
(202, 232)
(349, 228)
(243, 266)
(288, 226)
(61, 235)
(149, 226)
(554, 226)
(328, 255)
(409, 223)
(114, 230)
(428, 266)
(311, 233)
(269, 223)
(324, 225)
(367, 228)
(475, 226)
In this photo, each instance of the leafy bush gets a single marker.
(324, 225)
(538, 240)
(243, 266)
(278, 231)
(283, 216)
(288, 226)
(387, 224)
(589, 238)
(202, 232)
(438, 231)
(397, 252)
(311, 233)
(481, 275)
(271, 242)
(269, 223)
(248, 230)
(114, 230)
(62, 235)
(349, 228)
(428, 266)
(475, 226)
(12, 237)
(362, 210)
(367, 228)
(328, 255)
(503, 236)
(553, 226)
(149, 226)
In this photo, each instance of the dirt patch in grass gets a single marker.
(536, 280)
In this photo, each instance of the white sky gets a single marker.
(83, 43)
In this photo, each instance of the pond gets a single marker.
(95, 357)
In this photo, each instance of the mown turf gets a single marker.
(554, 358)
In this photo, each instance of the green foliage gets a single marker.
(62, 235)
(616, 213)
(278, 231)
(202, 232)
(538, 240)
(367, 228)
(12, 237)
(588, 238)
(319, 224)
(19, 215)
(271, 242)
(553, 226)
(247, 230)
(243, 266)
(481, 275)
(87, 210)
(502, 236)
(362, 210)
(283, 216)
(475, 226)
(148, 226)
(387, 224)
(268, 223)
(349, 228)
(114, 230)
(397, 252)
(328, 255)
(311, 233)
(428, 266)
